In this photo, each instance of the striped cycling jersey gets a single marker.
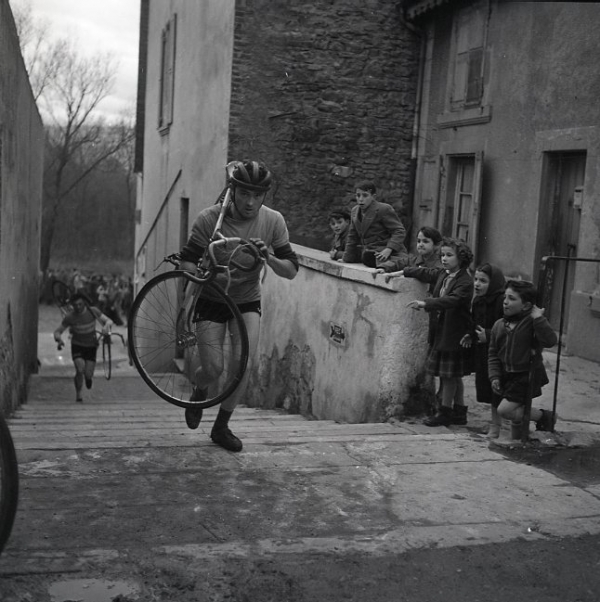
(83, 326)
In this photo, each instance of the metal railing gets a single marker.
(543, 275)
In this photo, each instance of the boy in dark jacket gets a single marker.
(514, 342)
(376, 234)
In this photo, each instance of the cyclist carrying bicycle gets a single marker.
(249, 219)
(84, 344)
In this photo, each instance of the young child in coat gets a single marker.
(428, 249)
(376, 234)
(428, 253)
(486, 309)
(449, 321)
(339, 221)
(514, 356)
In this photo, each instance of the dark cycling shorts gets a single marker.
(85, 353)
(211, 311)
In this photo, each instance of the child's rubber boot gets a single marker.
(494, 430)
(442, 418)
(546, 422)
(459, 414)
(516, 430)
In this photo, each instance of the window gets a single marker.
(461, 198)
(184, 220)
(167, 74)
(469, 42)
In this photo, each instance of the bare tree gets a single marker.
(69, 90)
(40, 54)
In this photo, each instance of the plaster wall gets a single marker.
(21, 167)
(187, 158)
(337, 343)
(541, 94)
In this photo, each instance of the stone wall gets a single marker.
(324, 93)
(21, 153)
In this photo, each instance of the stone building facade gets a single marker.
(324, 93)
(21, 168)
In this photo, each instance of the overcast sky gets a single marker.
(99, 26)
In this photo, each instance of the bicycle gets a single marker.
(61, 293)
(168, 340)
(105, 339)
(9, 483)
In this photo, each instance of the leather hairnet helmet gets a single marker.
(251, 175)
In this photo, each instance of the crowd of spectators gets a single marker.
(111, 294)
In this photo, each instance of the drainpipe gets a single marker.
(414, 152)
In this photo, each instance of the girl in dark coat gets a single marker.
(486, 309)
(449, 321)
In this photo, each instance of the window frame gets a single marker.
(166, 89)
(451, 193)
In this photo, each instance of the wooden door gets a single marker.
(561, 208)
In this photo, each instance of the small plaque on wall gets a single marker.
(337, 333)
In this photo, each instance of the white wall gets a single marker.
(375, 372)
(189, 157)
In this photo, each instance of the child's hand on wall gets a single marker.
(416, 305)
(390, 275)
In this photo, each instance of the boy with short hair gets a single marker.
(376, 234)
(339, 220)
(516, 340)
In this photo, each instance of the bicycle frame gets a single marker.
(164, 311)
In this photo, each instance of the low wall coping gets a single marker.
(321, 262)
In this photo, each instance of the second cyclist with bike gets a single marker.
(84, 344)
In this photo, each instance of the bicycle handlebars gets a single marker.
(208, 272)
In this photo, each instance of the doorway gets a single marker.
(560, 215)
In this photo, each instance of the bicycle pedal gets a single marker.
(221, 269)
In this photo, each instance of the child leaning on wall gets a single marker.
(449, 321)
(428, 253)
(339, 221)
(514, 356)
(486, 309)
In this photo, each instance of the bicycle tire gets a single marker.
(9, 483)
(165, 344)
(61, 293)
(107, 357)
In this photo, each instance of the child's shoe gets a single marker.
(546, 422)
(442, 418)
(459, 414)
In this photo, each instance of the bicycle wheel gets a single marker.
(61, 294)
(172, 352)
(106, 356)
(9, 483)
